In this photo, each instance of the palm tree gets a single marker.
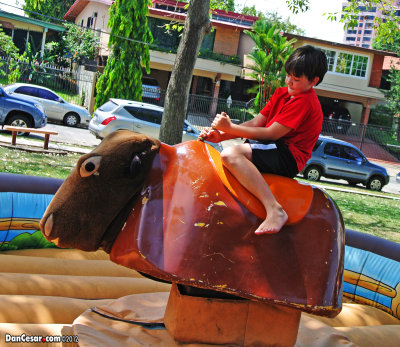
(269, 55)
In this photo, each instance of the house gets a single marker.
(212, 77)
(23, 29)
(353, 78)
(352, 81)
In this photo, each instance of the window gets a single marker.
(108, 106)
(332, 149)
(145, 114)
(352, 31)
(46, 94)
(26, 91)
(367, 32)
(346, 63)
(317, 144)
(366, 39)
(350, 38)
(360, 25)
(350, 153)
(343, 63)
(330, 56)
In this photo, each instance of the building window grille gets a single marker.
(347, 63)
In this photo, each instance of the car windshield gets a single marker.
(149, 81)
(108, 106)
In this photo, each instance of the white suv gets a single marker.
(150, 88)
(136, 116)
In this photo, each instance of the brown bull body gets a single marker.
(175, 214)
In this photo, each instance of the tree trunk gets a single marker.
(197, 24)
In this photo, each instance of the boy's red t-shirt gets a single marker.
(303, 114)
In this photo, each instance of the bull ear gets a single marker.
(135, 165)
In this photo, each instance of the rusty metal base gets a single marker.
(240, 322)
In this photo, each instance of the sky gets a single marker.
(313, 22)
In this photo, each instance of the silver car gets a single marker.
(136, 116)
(55, 107)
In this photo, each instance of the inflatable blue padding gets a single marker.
(23, 201)
(372, 278)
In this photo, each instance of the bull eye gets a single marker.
(90, 167)
(135, 166)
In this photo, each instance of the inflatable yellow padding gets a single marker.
(93, 328)
(57, 266)
(44, 309)
(358, 315)
(88, 287)
(37, 329)
(60, 253)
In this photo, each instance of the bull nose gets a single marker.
(47, 225)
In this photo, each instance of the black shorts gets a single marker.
(273, 157)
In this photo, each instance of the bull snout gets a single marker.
(46, 225)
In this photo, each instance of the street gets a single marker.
(82, 136)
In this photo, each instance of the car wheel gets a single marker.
(375, 183)
(20, 121)
(71, 119)
(312, 173)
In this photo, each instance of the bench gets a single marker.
(15, 130)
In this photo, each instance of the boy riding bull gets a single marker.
(280, 138)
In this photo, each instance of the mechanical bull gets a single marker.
(174, 213)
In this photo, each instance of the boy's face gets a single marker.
(297, 85)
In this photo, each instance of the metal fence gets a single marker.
(375, 142)
(76, 86)
(202, 109)
(73, 85)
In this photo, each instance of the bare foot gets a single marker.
(274, 222)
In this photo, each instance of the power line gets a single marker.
(171, 61)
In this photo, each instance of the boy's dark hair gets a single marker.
(309, 61)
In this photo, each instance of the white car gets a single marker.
(136, 116)
(55, 107)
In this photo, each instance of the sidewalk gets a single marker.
(37, 146)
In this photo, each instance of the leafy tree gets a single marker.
(80, 43)
(227, 5)
(197, 24)
(7, 46)
(122, 76)
(272, 17)
(8, 50)
(51, 8)
(269, 55)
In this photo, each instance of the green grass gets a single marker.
(379, 216)
(36, 164)
(369, 214)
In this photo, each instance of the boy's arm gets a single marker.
(213, 135)
(253, 129)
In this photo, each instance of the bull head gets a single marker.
(99, 193)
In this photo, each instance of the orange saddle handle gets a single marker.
(294, 197)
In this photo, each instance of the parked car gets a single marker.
(336, 119)
(17, 111)
(398, 177)
(136, 116)
(150, 88)
(338, 159)
(55, 107)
